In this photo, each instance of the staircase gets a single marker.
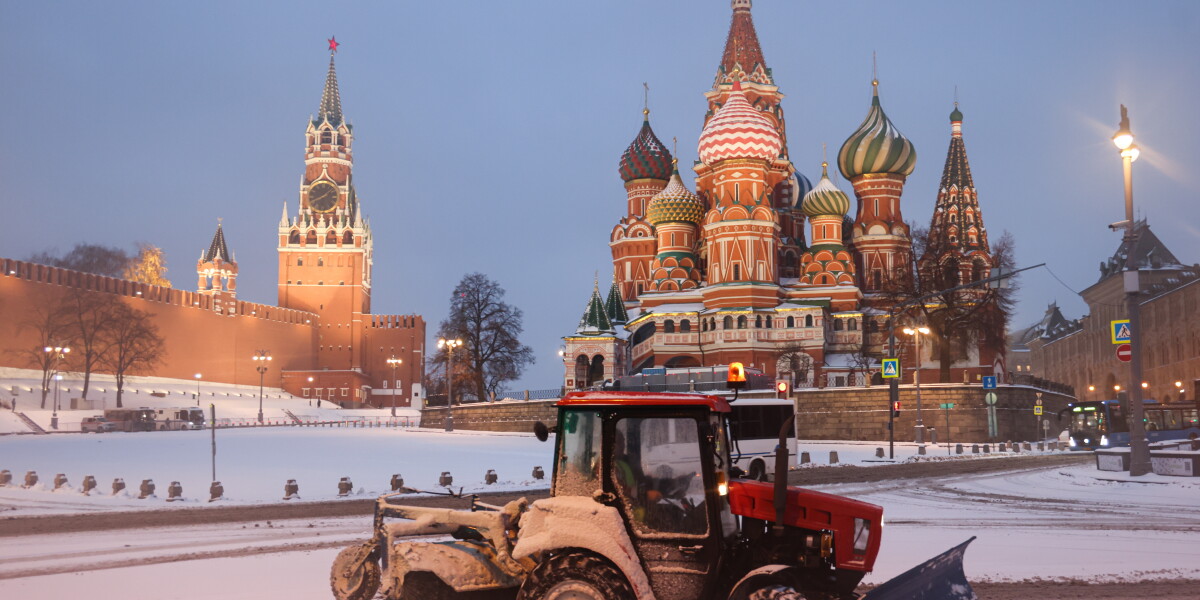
(293, 417)
(34, 427)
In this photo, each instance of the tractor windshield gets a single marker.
(578, 472)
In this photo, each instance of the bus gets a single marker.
(175, 419)
(755, 424)
(1103, 423)
(131, 419)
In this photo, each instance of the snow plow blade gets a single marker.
(939, 578)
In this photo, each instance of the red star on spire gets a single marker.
(333, 44)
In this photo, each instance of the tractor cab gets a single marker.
(661, 460)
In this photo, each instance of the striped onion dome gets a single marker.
(800, 187)
(674, 204)
(646, 157)
(876, 147)
(825, 199)
(739, 130)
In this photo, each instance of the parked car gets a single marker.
(97, 425)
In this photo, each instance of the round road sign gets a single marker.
(1125, 352)
(990, 398)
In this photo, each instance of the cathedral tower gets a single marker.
(675, 214)
(325, 250)
(877, 159)
(956, 233)
(645, 168)
(217, 271)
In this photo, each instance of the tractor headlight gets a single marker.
(1104, 440)
(862, 534)
(1071, 442)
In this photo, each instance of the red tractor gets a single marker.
(643, 506)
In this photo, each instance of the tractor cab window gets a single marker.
(659, 475)
(579, 454)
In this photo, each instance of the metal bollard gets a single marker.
(60, 480)
(445, 480)
(805, 458)
(1016, 447)
(833, 457)
(1027, 447)
(958, 448)
(5, 478)
(118, 485)
(174, 492)
(879, 453)
(31, 479)
(345, 487)
(538, 473)
(147, 489)
(490, 477)
(974, 448)
(1041, 446)
(987, 449)
(1002, 447)
(291, 489)
(921, 450)
(215, 491)
(397, 482)
(89, 484)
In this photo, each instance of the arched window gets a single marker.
(348, 238)
(326, 137)
(311, 238)
(758, 322)
(299, 261)
(770, 322)
(685, 326)
(669, 326)
(737, 272)
(294, 238)
(808, 321)
(728, 322)
(742, 322)
(320, 261)
(791, 322)
(837, 324)
(852, 324)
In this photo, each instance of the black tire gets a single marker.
(355, 574)
(758, 470)
(776, 592)
(780, 585)
(575, 575)
(422, 585)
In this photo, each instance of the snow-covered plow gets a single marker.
(644, 506)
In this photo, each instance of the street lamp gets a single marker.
(60, 353)
(261, 359)
(917, 333)
(197, 376)
(310, 380)
(395, 362)
(449, 345)
(1139, 451)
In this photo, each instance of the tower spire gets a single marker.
(741, 47)
(331, 99)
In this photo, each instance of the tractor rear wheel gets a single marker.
(576, 576)
(775, 592)
(758, 470)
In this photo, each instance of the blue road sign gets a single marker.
(1121, 332)
(891, 368)
(989, 382)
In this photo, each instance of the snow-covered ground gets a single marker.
(1056, 523)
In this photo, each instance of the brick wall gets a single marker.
(513, 415)
(862, 413)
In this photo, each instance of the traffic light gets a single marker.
(736, 380)
(896, 409)
(782, 388)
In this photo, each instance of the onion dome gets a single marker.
(674, 203)
(800, 187)
(646, 157)
(956, 115)
(739, 130)
(825, 199)
(876, 147)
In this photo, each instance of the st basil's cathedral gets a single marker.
(759, 265)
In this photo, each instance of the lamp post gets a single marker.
(395, 362)
(1139, 451)
(197, 376)
(60, 353)
(261, 359)
(449, 345)
(917, 333)
(310, 380)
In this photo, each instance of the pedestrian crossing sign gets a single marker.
(1121, 331)
(891, 368)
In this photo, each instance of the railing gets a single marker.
(1045, 384)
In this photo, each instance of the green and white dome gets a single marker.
(877, 146)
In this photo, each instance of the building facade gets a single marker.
(322, 336)
(758, 265)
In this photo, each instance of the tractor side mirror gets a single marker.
(541, 432)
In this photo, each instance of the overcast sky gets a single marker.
(487, 134)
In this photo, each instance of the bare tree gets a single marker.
(133, 345)
(89, 316)
(89, 258)
(53, 329)
(794, 359)
(489, 328)
(149, 267)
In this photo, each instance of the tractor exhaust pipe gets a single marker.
(781, 471)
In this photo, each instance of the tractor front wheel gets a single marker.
(776, 592)
(575, 576)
